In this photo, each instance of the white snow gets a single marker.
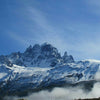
(27, 71)
(92, 60)
(2, 75)
(40, 74)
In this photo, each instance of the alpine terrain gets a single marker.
(43, 67)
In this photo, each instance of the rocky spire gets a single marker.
(68, 58)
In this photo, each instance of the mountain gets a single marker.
(41, 67)
(37, 56)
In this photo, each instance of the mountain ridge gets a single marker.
(35, 55)
(42, 66)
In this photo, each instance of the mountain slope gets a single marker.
(42, 66)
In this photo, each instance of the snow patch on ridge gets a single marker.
(92, 61)
(2, 75)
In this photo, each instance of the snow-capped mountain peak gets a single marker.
(44, 55)
(42, 66)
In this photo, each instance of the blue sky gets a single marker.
(69, 25)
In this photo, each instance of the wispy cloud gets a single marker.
(93, 6)
(45, 32)
(79, 37)
(48, 33)
(18, 38)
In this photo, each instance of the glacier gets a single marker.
(41, 67)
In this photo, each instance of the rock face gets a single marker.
(67, 59)
(42, 66)
(37, 56)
